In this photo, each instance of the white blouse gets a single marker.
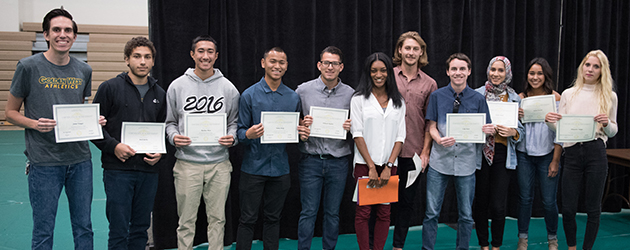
(380, 129)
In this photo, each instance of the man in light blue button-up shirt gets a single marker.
(450, 159)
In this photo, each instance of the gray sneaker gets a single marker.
(553, 244)
(522, 244)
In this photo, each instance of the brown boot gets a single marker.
(522, 244)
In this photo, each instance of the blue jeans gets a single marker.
(315, 173)
(44, 188)
(532, 169)
(130, 196)
(436, 186)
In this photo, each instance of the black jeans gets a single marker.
(405, 203)
(585, 168)
(272, 191)
(491, 191)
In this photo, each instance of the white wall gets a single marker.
(106, 12)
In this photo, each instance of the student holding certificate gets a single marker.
(130, 178)
(377, 112)
(499, 163)
(586, 165)
(538, 158)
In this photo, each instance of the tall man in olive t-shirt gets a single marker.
(39, 82)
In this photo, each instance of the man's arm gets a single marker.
(426, 150)
(12, 112)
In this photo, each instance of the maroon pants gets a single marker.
(362, 215)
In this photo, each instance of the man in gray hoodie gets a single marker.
(201, 170)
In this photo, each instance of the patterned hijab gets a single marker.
(493, 91)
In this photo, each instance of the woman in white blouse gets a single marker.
(377, 111)
(585, 163)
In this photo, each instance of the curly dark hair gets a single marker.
(139, 41)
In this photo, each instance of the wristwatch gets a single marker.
(390, 165)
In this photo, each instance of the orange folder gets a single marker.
(371, 196)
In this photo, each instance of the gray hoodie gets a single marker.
(188, 94)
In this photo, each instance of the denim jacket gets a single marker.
(510, 162)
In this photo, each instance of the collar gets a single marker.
(267, 89)
(398, 71)
(322, 86)
(461, 94)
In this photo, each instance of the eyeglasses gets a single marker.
(327, 63)
(456, 104)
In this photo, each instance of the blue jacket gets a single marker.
(510, 162)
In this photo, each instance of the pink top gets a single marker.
(416, 96)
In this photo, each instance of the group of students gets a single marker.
(482, 172)
(396, 112)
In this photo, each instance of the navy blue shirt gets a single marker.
(461, 159)
(264, 159)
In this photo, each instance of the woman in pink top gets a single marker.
(586, 165)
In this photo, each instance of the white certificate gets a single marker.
(205, 129)
(504, 113)
(144, 137)
(575, 128)
(536, 107)
(466, 128)
(328, 122)
(280, 127)
(77, 122)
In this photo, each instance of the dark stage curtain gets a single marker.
(520, 30)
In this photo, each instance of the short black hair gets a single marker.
(332, 50)
(204, 38)
(55, 13)
(139, 41)
(276, 49)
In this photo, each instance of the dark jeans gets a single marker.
(130, 196)
(272, 191)
(44, 188)
(531, 170)
(316, 173)
(585, 168)
(405, 203)
(491, 197)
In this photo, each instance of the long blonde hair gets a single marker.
(604, 90)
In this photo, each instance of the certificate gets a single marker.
(504, 113)
(536, 107)
(205, 129)
(328, 122)
(466, 128)
(280, 127)
(77, 122)
(144, 137)
(575, 128)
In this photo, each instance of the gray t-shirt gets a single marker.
(142, 89)
(41, 84)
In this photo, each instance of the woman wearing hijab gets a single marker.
(499, 161)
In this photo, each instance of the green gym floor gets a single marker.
(16, 224)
